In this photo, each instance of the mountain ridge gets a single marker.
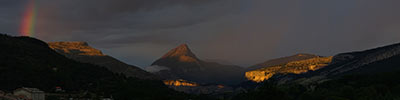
(293, 67)
(82, 52)
(282, 60)
(347, 63)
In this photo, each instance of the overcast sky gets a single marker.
(242, 32)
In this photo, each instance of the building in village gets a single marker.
(30, 93)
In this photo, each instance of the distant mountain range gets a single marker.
(283, 60)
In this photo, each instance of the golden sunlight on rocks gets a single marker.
(296, 67)
(75, 48)
(181, 53)
(179, 82)
(187, 59)
(259, 76)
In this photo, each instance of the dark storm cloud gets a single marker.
(123, 16)
(241, 31)
(117, 13)
(10, 15)
(94, 10)
(111, 24)
(111, 42)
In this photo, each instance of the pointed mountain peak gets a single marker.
(182, 53)
(181, 50)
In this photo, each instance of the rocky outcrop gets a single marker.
(295, 67)
(75, 48)
(179, 82)
(82, 52)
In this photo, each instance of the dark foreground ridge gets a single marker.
(29, 62)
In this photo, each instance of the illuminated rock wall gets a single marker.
(295, 67)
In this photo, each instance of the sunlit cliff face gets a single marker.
(179, 82)
(75, 48)
(295, 67)
(187, 59)
(182, 53)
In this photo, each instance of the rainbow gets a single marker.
(28, 19)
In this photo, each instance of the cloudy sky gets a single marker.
(242, 32)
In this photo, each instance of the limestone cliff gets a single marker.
(82, 52)
(294, 67)
(283, 60)
(75, 48)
